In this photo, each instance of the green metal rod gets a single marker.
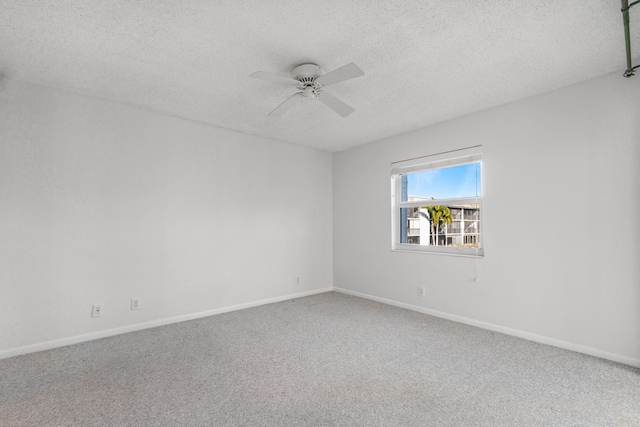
(627, 35)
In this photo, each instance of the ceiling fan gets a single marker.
(310, 79)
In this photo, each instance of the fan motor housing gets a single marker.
(307, 73)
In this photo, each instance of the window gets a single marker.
(437, 203)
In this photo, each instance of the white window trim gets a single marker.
(437, 161)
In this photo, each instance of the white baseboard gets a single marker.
(47, 345)
(507, 331)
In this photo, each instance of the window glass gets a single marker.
(445, 183)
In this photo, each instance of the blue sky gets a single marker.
(456, 181)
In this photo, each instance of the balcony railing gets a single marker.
(457, 231)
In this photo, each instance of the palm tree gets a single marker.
(437, 215)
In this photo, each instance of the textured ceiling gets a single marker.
(424, 61)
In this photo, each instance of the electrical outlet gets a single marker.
(97, 310)
(297, 280)
(135, 303)
(421, 291)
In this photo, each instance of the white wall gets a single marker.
(561, 219)
(101, 202)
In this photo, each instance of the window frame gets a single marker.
(437, 161)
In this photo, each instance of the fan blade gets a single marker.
(346, 72)
(284, 107)
(335, 104)
(263, 75)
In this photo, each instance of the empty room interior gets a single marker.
(319, 213)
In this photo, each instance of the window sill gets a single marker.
(458, 252)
